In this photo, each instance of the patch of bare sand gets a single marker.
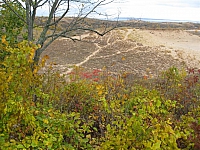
(181, 44)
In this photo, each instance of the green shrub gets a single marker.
(27, 122)
(95, 110)
(146, 123)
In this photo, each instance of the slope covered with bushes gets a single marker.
(95, 110)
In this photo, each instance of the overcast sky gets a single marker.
(157, 9)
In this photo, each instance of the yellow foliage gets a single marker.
(43, 61)
(35, 70)
(45, 121)
(10, 77)
(31, 55)
(3, 40)
(123, 58)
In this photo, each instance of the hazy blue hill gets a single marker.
(153, 20)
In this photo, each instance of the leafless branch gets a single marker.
(79, 21)
(37, 4)
(60, 18)
(19, 3)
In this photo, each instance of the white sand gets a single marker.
(181, 44)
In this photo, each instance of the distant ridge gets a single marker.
(153, 20)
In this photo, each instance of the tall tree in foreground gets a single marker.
(58, 9)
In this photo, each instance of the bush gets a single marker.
(95, 110)
(28, 119)
(145, 124)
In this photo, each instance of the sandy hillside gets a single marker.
(182, 44)
(176, 39)
(128, 50)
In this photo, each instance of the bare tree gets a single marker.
(58, 9)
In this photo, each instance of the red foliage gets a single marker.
(196, 140)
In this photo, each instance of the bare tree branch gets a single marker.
(60, 18)
(37, 4)
(77, 23)
(19, 3)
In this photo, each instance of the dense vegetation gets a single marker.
(95, 110)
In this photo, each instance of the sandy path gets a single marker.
(129, 31)
(91, 55)
(99, 48)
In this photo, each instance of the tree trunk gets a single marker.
(29, 20)
(37, 56)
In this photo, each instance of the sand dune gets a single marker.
(182, 43)
(128, 49)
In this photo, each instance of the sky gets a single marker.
(188, 10)
(157, 9)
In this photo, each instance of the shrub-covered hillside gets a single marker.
(95, 110)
